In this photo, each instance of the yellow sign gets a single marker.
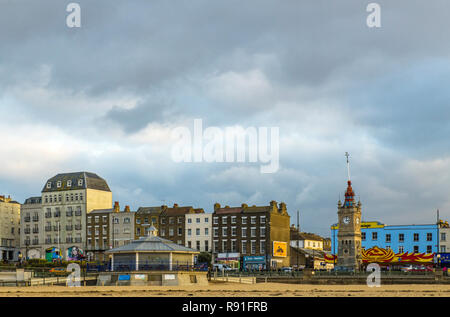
(280, 249)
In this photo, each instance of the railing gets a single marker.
(27, 230)
(35, 242)
(35, 218)
(27, 219)
(35, 230)
(128, 266)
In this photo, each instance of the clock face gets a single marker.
(346, 220)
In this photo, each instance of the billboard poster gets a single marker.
(280, 249)
(74, 254)
(52, 254)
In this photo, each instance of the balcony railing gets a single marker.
(35, 242)
(27, 219)
(27, 230)
(36, 218)
(35, 230)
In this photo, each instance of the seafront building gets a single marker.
(107, 229)
(251, 236)
(9, 229)
(66, 200)
(198, 231)
(31, 228)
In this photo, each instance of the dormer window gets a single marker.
(49, 185)
(69, 183)
(58, 184)
(80, 182)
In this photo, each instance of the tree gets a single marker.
(204, 257)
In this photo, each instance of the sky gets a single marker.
(106, 98)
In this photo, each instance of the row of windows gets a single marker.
(197, 231)
(104, 219)
(233, 220)
(244, 232)
(198, 245)
(105, 230)
(68, 183)
(233, 246)
(401, 237)
(58, 198)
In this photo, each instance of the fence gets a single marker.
(128, 266)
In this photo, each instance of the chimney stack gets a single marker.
(175, 205)
(116, 206)
(127, 209)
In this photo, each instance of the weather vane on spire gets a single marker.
(348, 165)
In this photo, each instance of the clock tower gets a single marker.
(349, 234)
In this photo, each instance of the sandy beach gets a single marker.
(231, 290)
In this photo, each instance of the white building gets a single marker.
(198, 231)
(9, 229)
(66, 199)
(32, 229)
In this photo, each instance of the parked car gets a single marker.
(222, 267)
(286, 269)
(421, 268)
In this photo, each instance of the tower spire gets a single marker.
(348, 165)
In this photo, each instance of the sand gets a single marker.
(230, 290)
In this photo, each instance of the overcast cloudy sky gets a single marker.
(105, 97)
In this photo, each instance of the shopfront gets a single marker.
(231, 259)
(254, 263)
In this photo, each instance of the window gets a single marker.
(244, 220)
(180, 242)
(189, 232)
(253, 247)
(163, 232)
(401, 238)
(154, 221)
(206, 246)
(126, 220)
(206, 220)
(262, 246)
(138, 221)
(171, 232)
(262, 219)
(244, 246)
(69, 183)
(206, 231)
(388, 238)
(216, 246)
(216, 220)
(233, 219)
(58, 184)
(49, 185)
(163, 220)
(416, 249)
(400, 249)
(171, 221)
(443, 236)
(180, 231)
(233, 231)
(416, 237)
(215, 232)
(198, 245)
(233, 245)
(363, 236)
(374, 235)
(104, 219)
(89, 219)
(262, 231)
(197, 220)
(244, 232)
(189, 244)
(443, 249)
(146, 220)
(224, 220)
(224, 232)
(80, 182)
(180, 220)
(224, 246)
(197, 231)
(253, 220)
(189, 220)
(253, 232)
(429, 249)
(429, 236)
